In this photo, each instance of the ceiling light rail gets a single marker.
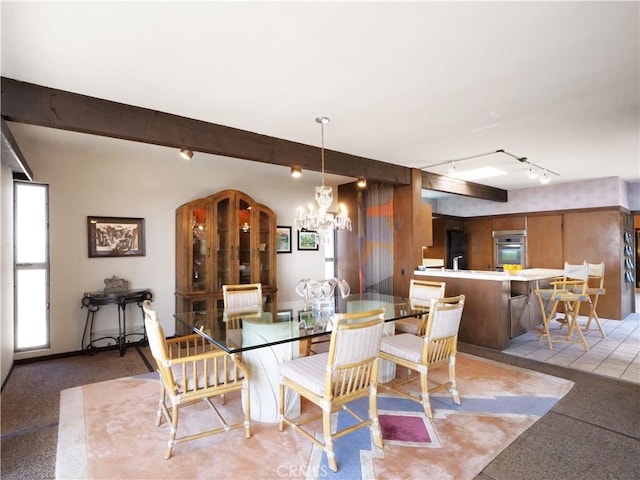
(534, 171)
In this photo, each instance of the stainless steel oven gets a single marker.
(509, 247)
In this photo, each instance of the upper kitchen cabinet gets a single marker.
(544, 241)
(226, 238)
(517, 222)
(479, 243)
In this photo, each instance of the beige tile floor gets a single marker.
(617, 355)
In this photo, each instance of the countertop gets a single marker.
(526, 275)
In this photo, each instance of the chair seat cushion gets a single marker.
(408, 325)
(405, 346)
(308, 372)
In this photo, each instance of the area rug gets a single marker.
(106, 431)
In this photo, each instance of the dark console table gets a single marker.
(94, 300)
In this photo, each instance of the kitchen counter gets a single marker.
(526, 275)
(498, 306)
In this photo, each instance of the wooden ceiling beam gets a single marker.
(33, 104)
(48, 107)
(442, 183)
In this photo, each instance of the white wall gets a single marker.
(121, 179)
(6, 271)
(602, 192)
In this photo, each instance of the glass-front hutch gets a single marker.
(224, 239)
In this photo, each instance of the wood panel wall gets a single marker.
(544, 241)
(596, 237)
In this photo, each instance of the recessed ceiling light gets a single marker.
(478, 173)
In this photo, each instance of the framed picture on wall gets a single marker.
(115, 237)
(307, 240)
(284, 315)
(283, 239)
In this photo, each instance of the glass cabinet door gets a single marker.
(266, 232)
(199, 251)
(244, 228)
(224, 242)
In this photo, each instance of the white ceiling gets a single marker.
(412, 83)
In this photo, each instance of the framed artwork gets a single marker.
(284, 315)
(307, 240)
(305, 319)
(283, 239)
(115, 237)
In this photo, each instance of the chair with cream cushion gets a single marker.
(242, 298)
(348, 371)
(192, 369)
(420, 294)
(437, 347)
(239, 301)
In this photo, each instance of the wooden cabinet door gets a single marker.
(509, 223)
(479, 243)
(193, 267)
(544, 241)
(265, 251)
(243, 256)
(223, 238)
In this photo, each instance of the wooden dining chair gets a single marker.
(436, 348)
(242, 297)
(192, 369)
(348, 371)
(420, 294)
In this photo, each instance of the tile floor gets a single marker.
(617, 355)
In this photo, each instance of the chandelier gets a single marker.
(319, 219)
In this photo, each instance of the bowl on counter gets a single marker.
(512, 269)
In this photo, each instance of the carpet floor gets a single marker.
(106, 431)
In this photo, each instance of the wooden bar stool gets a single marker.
(594, 290)
(570, 291)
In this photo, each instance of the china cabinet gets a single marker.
(226, 238)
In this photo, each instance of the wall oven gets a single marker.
(509, 247)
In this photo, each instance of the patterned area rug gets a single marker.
(107, 432)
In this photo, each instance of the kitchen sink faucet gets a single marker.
(455, 262)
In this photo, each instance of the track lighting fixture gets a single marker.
(362, 182)
(296, 172)
(534, 171)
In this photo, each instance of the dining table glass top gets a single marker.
(288, 321)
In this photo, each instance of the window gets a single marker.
(31, 268)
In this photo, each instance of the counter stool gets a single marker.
(595, 288)
(570, 290)
(596, 276)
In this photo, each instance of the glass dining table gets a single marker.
(265, 336)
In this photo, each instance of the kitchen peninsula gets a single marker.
(498, 306)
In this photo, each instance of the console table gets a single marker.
(94, 300)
